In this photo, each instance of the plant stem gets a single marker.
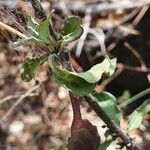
(110, 124)
(134, 98)
(98, 110)
(39, 13)
(76, 112)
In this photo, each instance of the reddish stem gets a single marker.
(77, 118)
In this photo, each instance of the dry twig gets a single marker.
(19, 101)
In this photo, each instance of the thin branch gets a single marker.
(133, 24)
(133, 68)
(110, 124)
(101, 87)
(134, 98)
(12, 30)
(6, 15)
(10, 97)
(18, 101)
(105, 6)
(137, 55)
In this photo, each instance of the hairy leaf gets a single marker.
(109, 104)
(79, 83)
(137, 116)
(30, 66)
(72, 30)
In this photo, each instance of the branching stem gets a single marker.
(110, 124)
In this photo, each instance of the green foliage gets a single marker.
(137, 116)
(95, 73)
(40, 33)
(30, 66)
(109, 104)
(126, 95)
(71, 31)
(32, 25)
(80, 83)
(44, 33)
(135, 98)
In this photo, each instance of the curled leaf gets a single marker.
(30, 66)
(72, 30)
(79, 83)
(136, 117)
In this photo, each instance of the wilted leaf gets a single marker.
(30, 66)
(79, 83)
(137, 116)
(109, 104)
(72, 30)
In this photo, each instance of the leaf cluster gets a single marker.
(81, 83)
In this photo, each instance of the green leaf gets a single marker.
(126, 95)
(79, 83)
(29, 40)
(95, 73)
(135, 120)
(137, 116)
(72, 30)
(30, 66)
(32, 25)
(109, 104)
(112, 67)
(44, 33)
(40, 31)
(78, 86)
(135, 98)
(145, 107)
